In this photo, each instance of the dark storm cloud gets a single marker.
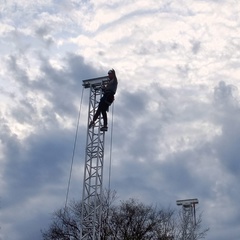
(228, 109)
(40, 158)
(135, 102)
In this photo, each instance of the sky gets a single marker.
(176, 128)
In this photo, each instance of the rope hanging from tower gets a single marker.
(74, 149)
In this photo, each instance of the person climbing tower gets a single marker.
(107, 99)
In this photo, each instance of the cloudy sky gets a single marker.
(176, 115)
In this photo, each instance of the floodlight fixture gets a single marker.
(187, 202)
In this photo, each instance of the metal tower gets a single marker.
(93, 172)
(189, 217)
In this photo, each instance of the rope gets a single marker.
(110, 162)
(74, 148)
(110, 166)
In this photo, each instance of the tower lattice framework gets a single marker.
(93, 171)
(188, 218)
